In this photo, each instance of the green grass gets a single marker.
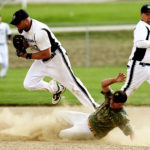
(12, 91)
(102, 45)
(80, 14)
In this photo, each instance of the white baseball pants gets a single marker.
(3, 59)
(79, 123)
(59, 69)
(136, 75)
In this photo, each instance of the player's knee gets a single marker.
(28, 85)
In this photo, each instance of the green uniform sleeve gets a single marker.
(126, 126)
(107, 95)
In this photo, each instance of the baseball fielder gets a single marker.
(5, 36)
(51, 60)
(138, 67)
(108, 116)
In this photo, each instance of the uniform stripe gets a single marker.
(131, 75)
(54, 44)
(78, 84)
(147, 33)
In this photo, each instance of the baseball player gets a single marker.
(5, 38)
(109, 114)
(51, 60)
(138, 67)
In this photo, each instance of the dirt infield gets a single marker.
(37, 128)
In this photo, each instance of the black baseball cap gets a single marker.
(145, 8)
(18, 16)
(119, 97)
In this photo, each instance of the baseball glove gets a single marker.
(19, 43)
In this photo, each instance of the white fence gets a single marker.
(90, 28)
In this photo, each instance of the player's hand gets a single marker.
(9, 42)
(132, 136)
(120, 77)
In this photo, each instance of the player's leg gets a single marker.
(78, 131)
(4, 57)
(71, 117)
(136, 75)
(148, 74)
(65, 75)
(34, 78)
(59, 69)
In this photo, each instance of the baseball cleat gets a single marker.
(57, 96)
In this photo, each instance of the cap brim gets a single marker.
(14, 22)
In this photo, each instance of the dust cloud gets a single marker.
(38, 123)
(29, 125)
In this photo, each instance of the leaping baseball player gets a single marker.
(50, 58)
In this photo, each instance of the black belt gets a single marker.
(52, 56)
(144, 64)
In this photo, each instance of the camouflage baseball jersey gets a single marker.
(104, 119)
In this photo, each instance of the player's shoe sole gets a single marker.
(57, 97)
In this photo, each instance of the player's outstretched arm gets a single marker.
(107, 82)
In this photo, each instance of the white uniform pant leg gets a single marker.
(136, 75)
(148, 73)
(59, 69)
(71, 117)
(80, 129)
(34, 78)
(65, 75)
(4, 59)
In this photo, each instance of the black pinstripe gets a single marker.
(147, 33)
(131, 75)
(55, 46)
(78, 84)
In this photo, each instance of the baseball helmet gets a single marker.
(119, 97)
(145, 8)
(18, 16)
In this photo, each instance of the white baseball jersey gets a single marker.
(138, 67)
(40, 37)
(58, 68)
(4, 31)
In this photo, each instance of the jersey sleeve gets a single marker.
(42, 40)
(107, 95)
(125, 126)
(140, 33)
(141, 36)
